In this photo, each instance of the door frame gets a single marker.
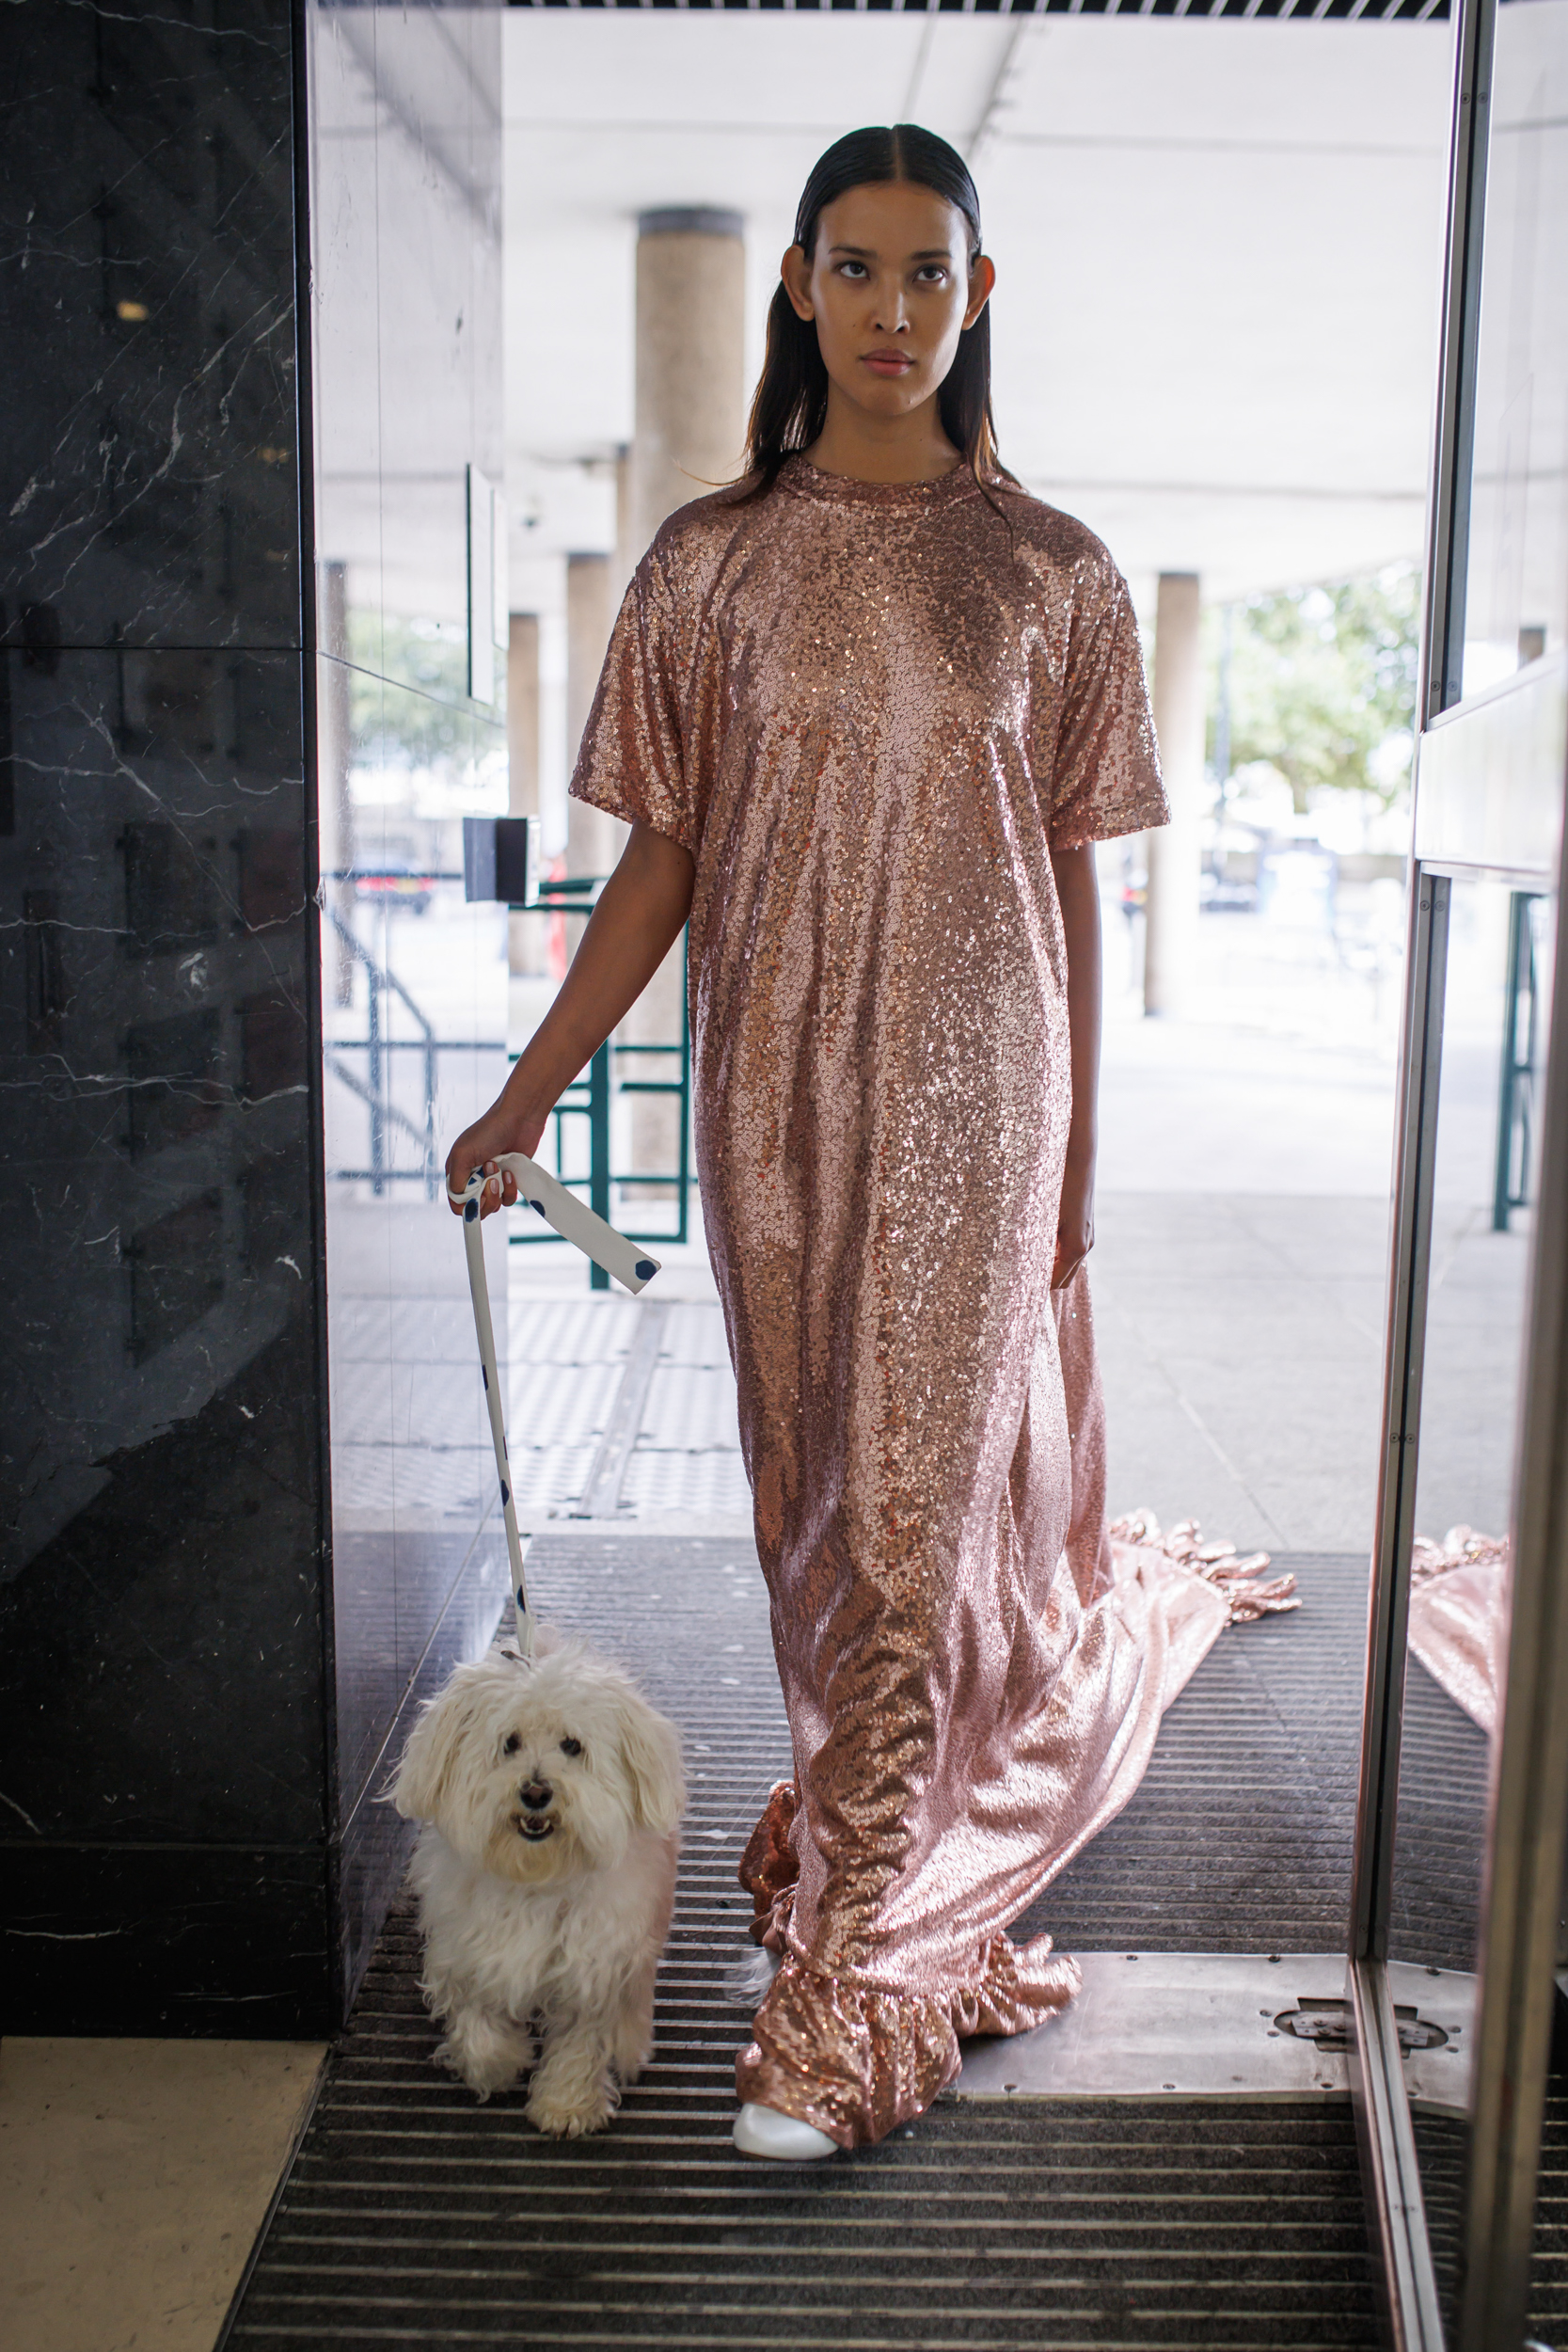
(1478, 812)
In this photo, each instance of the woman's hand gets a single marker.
(1074, 1226)
(502, 1129)
(1078, 896)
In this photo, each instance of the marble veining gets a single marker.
(204, 1663)
(149, 440)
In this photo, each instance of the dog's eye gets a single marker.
(510, 1744)
(570, 1747)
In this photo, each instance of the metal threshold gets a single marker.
(1227, 2025)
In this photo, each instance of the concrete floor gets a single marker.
(1242, 1350)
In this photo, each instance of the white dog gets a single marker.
(545, 1874)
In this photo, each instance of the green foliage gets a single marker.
(1322, 685)
(431, 726)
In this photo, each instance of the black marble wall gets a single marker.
(203, 1657)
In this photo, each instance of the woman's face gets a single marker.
(891, 289)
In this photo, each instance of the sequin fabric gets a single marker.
(1459, 1617)
(870, 712)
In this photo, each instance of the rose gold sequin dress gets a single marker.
(870, 712)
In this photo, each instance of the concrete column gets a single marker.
(691, 418)
(626, 554)
(522, 715)
(526, 943)
(594, 841)
(1173, 854)
(690, 433)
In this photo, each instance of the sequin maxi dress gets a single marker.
(869, 712)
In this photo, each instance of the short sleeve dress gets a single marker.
(870, 712)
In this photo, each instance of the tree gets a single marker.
(422, 721)
(1322, 685)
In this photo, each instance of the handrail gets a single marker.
(377, 1091)
(575, 895)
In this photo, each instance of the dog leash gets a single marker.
(575, 1222)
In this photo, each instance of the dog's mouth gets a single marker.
(536, 1827)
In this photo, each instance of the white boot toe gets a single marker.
(764, 2131)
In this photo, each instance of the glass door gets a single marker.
(1464, 1808)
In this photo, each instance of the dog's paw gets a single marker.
(572, 2090)
(633, 2046)
(567, 2115)
(487, 2055)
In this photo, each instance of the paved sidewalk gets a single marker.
(1241, 1342)
(1240, 1338)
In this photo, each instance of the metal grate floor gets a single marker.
(413, 2216)
(1440, 1840)
(1442, 2144)
(1240, 1837)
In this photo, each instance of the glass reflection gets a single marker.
(1494, 1039)
(406, 223)
(1516, 576)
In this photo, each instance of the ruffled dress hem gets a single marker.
(855, 2059)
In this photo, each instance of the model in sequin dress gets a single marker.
(876, 719)
(870, 712)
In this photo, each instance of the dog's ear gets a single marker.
(651, 1753)
(424, 1785)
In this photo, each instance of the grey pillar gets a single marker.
(526, 933)
(1173, 854)
(626, 554)
(594, 841)
(690, 430)
(690, 361)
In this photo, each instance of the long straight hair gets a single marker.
(791, 405)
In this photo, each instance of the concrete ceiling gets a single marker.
(1218, 244)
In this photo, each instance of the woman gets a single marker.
(867, 711)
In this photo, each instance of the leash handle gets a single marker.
(577, 1223)
(572, 1218)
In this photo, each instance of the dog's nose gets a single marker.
(535, 1795)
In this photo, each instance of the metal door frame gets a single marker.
(1469, 745)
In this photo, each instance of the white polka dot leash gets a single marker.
(575, 1222)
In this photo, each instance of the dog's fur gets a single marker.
(544, 1877)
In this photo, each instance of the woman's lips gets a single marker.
(888, 362)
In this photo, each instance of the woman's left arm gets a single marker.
(1078, 894)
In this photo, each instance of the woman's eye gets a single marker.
(852, 269)
(570, 1747)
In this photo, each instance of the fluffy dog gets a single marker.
(545, 1874)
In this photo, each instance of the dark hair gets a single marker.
(790, 405)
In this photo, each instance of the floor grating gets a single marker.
(414, 2216)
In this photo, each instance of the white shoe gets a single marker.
(764, 2131)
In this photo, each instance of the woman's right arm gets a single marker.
(632, 930)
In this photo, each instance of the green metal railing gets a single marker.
(591, 1097)
(1521, 1052)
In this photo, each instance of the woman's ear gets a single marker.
(795, 270)
(982, 277)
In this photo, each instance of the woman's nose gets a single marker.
(892, 311)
